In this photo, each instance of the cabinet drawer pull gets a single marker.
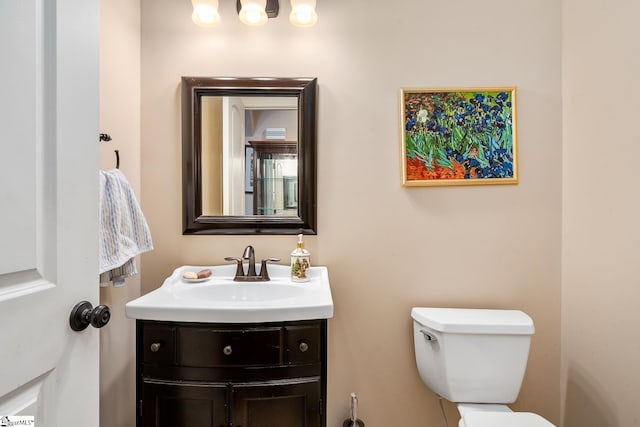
(155, 347)
(227, 350)
(303, 346)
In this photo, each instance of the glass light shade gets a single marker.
(205, 12)
(303, 13)
(253, 12)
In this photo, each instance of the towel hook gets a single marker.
(106, 137)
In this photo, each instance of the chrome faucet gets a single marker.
(251, 276)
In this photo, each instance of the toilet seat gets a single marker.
(503, 419)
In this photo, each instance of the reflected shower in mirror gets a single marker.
(248, 157)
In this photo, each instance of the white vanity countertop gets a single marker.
(219, 299)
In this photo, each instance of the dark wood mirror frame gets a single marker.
(194, 222)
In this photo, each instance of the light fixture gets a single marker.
(205, 12)
(272, 8)
(303, 13)
(253, 12)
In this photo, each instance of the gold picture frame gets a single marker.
(462, 136)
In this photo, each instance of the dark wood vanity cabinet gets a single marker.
(231, 375)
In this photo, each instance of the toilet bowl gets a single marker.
(476, 358)
(503, 419)
(493, 415)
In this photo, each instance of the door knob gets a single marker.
(83, 315)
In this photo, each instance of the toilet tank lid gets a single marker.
(474, 321)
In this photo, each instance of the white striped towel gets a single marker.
(124, 232)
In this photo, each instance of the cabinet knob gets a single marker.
(227, 350)
(303, 346)
(155, 347)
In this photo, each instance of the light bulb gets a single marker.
(253, 12)
(205, 12)
(303, 13)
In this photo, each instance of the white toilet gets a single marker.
(476, 358)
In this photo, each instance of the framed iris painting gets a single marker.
(459, 136)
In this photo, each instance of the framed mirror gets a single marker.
(248, 155)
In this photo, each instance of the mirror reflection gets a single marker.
(249, 155)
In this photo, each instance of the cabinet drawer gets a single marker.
(206, 347)
(159, 344)
(302, 344)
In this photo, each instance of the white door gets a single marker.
(48, 209)
(233, 155)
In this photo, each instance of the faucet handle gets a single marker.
(264, 274)
(239, 270)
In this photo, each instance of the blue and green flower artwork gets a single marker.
(459, 136)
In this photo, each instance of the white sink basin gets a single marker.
(221, 300)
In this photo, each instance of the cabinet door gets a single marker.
(167, 404)
(294, 403)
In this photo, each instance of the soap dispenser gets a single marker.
(300, 262)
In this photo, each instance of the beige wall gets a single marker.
(600, 282)
(119, 117)
(388, 248)
(212, 155)
(264, 119)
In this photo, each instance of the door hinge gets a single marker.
(140, 407)
(320, 407)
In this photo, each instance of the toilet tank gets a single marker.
(472, 355)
